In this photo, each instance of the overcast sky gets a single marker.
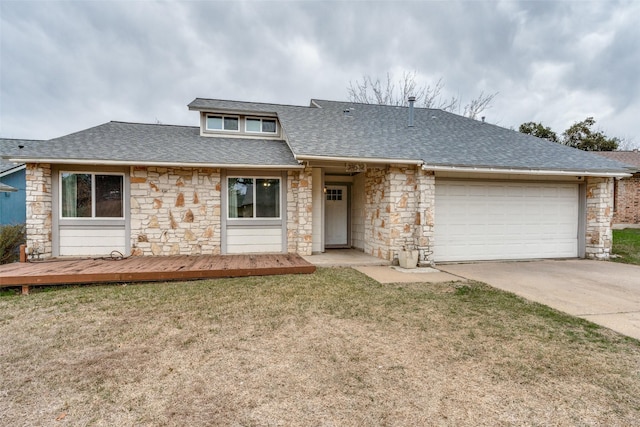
(70, 65)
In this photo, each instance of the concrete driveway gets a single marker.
(605, 293)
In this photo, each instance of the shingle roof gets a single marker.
(131, 143)
(9, 146)
(438, 138)
(629, 157)
(326, 129)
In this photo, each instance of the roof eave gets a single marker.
(13, 169)
(371, 160)
(103, 162)
(515, 171)
(238, 111)
(4, 188)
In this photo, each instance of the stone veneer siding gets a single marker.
(627, 206)
(175, 211)
(377, 209)
(426, 208)
(39, 209)
(399, 211)
(598, 236)
(299, 211)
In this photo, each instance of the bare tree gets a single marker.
(370, 91)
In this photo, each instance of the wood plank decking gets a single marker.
(142, 269)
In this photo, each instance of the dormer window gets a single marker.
(225, 123)
(254, 125)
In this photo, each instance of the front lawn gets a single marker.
(626, 245)
(332, 348)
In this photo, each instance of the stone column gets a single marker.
(404, 217)
(39, 209)
(426, 216)
(377, 209)
(598, 237)
(300, 211)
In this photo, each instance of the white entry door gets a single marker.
(336, 210)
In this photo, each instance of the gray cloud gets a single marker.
(66, 66)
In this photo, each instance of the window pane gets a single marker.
(109, 196)
(253, 125)
(267, 198)
(76, 195)
(240, 198)
(214, 122)
(269, 126)
(231, 123)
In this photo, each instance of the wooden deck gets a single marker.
(144, 269)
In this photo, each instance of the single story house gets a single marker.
(12, 185)
(626, 202)
(255, 178)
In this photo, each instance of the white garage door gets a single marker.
(500, 220)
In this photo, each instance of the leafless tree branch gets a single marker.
(370, 91)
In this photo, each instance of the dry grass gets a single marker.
(333, 348)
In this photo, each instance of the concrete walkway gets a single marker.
(605, 293)
(376, 268)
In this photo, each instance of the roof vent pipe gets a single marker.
(412, 99)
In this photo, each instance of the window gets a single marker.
(228, 123)
(260, 125)
(91, 195)
(334, 194)
(254, 197)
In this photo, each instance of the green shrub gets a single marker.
(11, 237)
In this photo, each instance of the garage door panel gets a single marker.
(500, 220)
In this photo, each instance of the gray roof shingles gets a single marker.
(152, 143)
(439, 138)
(324, 129)
(10, 146)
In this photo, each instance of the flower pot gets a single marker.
(408, 258)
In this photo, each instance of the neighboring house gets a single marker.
(254, 178)
(6, 188)
(12, 176)
(626, 211)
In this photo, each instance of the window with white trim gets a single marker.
(225, 123)
(253, 197)
(255, 125)
(91, 195)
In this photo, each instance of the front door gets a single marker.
(336, 210)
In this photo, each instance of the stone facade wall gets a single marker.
(627, 206)
(399, 211)
(377, 209)
(39, 209)
(426, 209)
(404, 216)
(598, 237)
(300, 211)
(175, 211)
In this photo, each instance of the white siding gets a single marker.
(501, 220)
(92, 242)
(254, 240)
